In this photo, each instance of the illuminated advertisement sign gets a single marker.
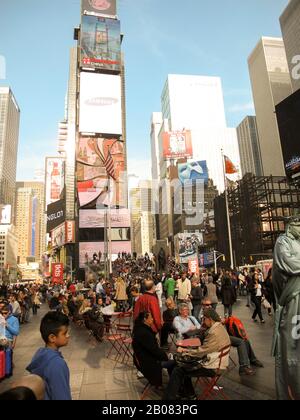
(5, 214)
(70, 232)
(92, 177)
(177, 145)
(100, 43)
(100, 104)
(193, 171)
(187, 245)
(55, 214)
(55, 179)
(96, 218)
(99, 7)
(88, 249)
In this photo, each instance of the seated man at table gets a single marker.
(186, 325)
(216, 339)
(149, 358)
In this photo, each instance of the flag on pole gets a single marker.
(230, 169)
(110, 166)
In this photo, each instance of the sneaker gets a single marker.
(263, 321)
(189, 397)
(257, 364)
(254, 320)
(246, 371)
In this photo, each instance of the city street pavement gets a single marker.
(93, 377)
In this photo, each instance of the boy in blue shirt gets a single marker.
(48, 362)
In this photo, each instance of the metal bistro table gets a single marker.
(189, 343)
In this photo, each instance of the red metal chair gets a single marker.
(123, 323)
(212, 389)
(148, 386)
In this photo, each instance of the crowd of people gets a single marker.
(173, 303)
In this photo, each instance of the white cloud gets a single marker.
(249, 106)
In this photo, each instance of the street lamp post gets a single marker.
(216, 258)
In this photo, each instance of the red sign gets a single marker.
(177, 145)
(57, 273)
(194, 267)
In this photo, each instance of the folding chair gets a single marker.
(212, 388)
(123, 323)
(148, 387)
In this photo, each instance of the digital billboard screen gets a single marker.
(88, 249)
(55, 180)
(177, 145)
(191, 171)
(100, 104)
(96, 218)
(288, 117)
(100, 43)
(99, 7)
(92, 178)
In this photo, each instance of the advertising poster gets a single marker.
(194, 267)
(99, 7)
(57, 273)
(55, 179)
(177, 145)
(187, 245)
(70, 232)
(100, 43)
(5, 214)
(87, 250)
(92, 178)
(58, 236)
(100, 104)
(193, 171)
(89, 219)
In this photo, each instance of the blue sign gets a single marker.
(192, 171)
(206, 259)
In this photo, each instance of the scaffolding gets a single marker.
(259, 207)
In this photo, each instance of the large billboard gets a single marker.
(177, 145)
(57, 273)
(55, 214)
(88, 249)
(191, 171)
(92, 178)
(58, 236)
(100, 43)
(5, 214)
(89, 219)
(288, 117)
(55, 179)
(187, 246)
(100, 104)
(99, 7)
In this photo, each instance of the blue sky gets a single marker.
(212, 38)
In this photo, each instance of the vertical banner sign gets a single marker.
(194, 267)
(57, 273)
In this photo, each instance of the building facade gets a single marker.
(8, 253)
(249, 147)
(290, 26)
(271, 84)
(9, 139)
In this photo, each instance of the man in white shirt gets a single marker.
(185, 324)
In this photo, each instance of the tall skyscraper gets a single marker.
(38, 206)
(27, 223)
(271, 84)
(8, 252)
(196, 103)
(290, 25)
(156, 125)
(249, 147)
(142, 219)
(9, 139)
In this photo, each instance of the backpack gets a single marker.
(236, 328)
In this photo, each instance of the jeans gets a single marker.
(196, 310)
(181, 380)
(34, 309)
(169, 365)
(227, 311)
(257, 302)
(245, 351)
